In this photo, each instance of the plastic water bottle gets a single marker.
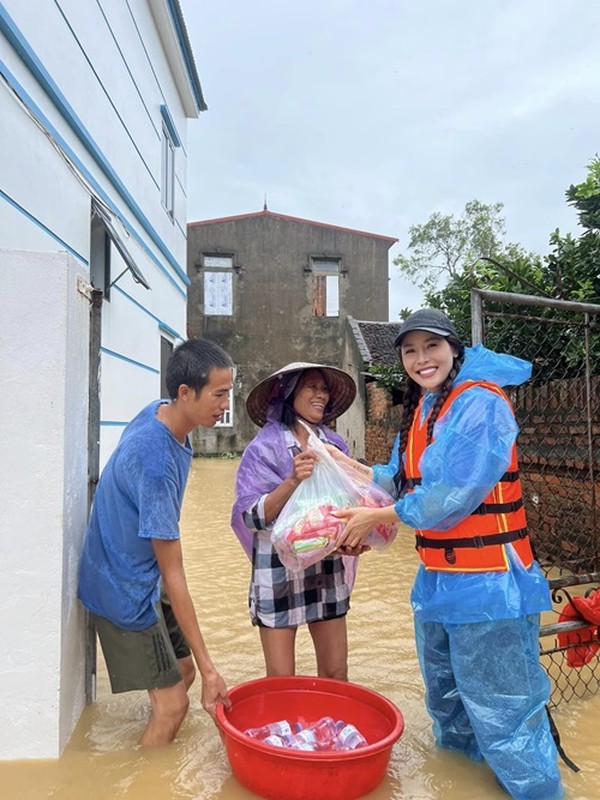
(325, 731)
(349, 738)
(305, 739)
(274, 740)
(280, 728)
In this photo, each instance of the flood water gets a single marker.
(102, 760)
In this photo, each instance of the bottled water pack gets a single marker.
(323, 735)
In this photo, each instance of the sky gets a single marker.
(374, 114)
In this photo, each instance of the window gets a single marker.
(326, 286)
(220, 262)
(170, 140)
(227, 421)
(168, 173)
(107, 231)
(218, 285)
(166, 348)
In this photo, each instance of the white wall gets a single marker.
(109, 75)
(81, 90)
(43, 419)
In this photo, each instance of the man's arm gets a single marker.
(170, 561)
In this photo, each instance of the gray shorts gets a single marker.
(145, 659)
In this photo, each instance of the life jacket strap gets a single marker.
(510, 477)
(499, 508)
(472, 541)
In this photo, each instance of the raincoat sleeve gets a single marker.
(264, 465)
(470, 453)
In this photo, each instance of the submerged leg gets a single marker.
(168, 709)
(451, 725)
(505, 690)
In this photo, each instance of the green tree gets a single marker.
(585, 197)
(446, 246)
(571, 271)
(572, 268)
(469, 252)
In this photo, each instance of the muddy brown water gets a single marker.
(103, 762)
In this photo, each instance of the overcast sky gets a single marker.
(373, 114)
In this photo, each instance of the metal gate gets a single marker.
(559, 451)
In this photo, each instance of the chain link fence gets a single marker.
(558, 411)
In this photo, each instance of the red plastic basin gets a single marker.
(280, 774)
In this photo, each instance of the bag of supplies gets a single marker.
(373, 496)
(307, 530)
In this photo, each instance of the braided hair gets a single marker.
(410, 402)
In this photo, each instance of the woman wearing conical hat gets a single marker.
(272, 467)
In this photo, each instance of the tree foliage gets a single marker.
(470, 252)
(387, 377)
(446, 246)
(585, 197)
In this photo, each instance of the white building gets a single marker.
(94, 102)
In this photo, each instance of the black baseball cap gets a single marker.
(426, 319)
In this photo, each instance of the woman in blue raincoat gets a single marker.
(478, 592)
(273, 465)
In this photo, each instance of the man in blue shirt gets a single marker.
(132, 546)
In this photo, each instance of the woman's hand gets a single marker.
(303, 466)
(359, 521)
(353, 551)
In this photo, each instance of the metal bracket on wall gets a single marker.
(84, 288)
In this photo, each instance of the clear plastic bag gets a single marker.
(372, 496)
(306, 530)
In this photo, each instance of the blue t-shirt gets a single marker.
(138, 499)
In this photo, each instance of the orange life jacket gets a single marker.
(477, 544)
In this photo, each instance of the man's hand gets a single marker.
(214, 692)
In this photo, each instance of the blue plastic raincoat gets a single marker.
(477, 633)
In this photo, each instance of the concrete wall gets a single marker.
(351, 425)
(43, 471)
(272, 322)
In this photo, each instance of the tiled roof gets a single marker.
(376, 341)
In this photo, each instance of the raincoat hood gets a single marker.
(481, 364)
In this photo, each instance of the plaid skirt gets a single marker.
(280, 598)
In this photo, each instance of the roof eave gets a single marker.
(174, 37)
(287, 218)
